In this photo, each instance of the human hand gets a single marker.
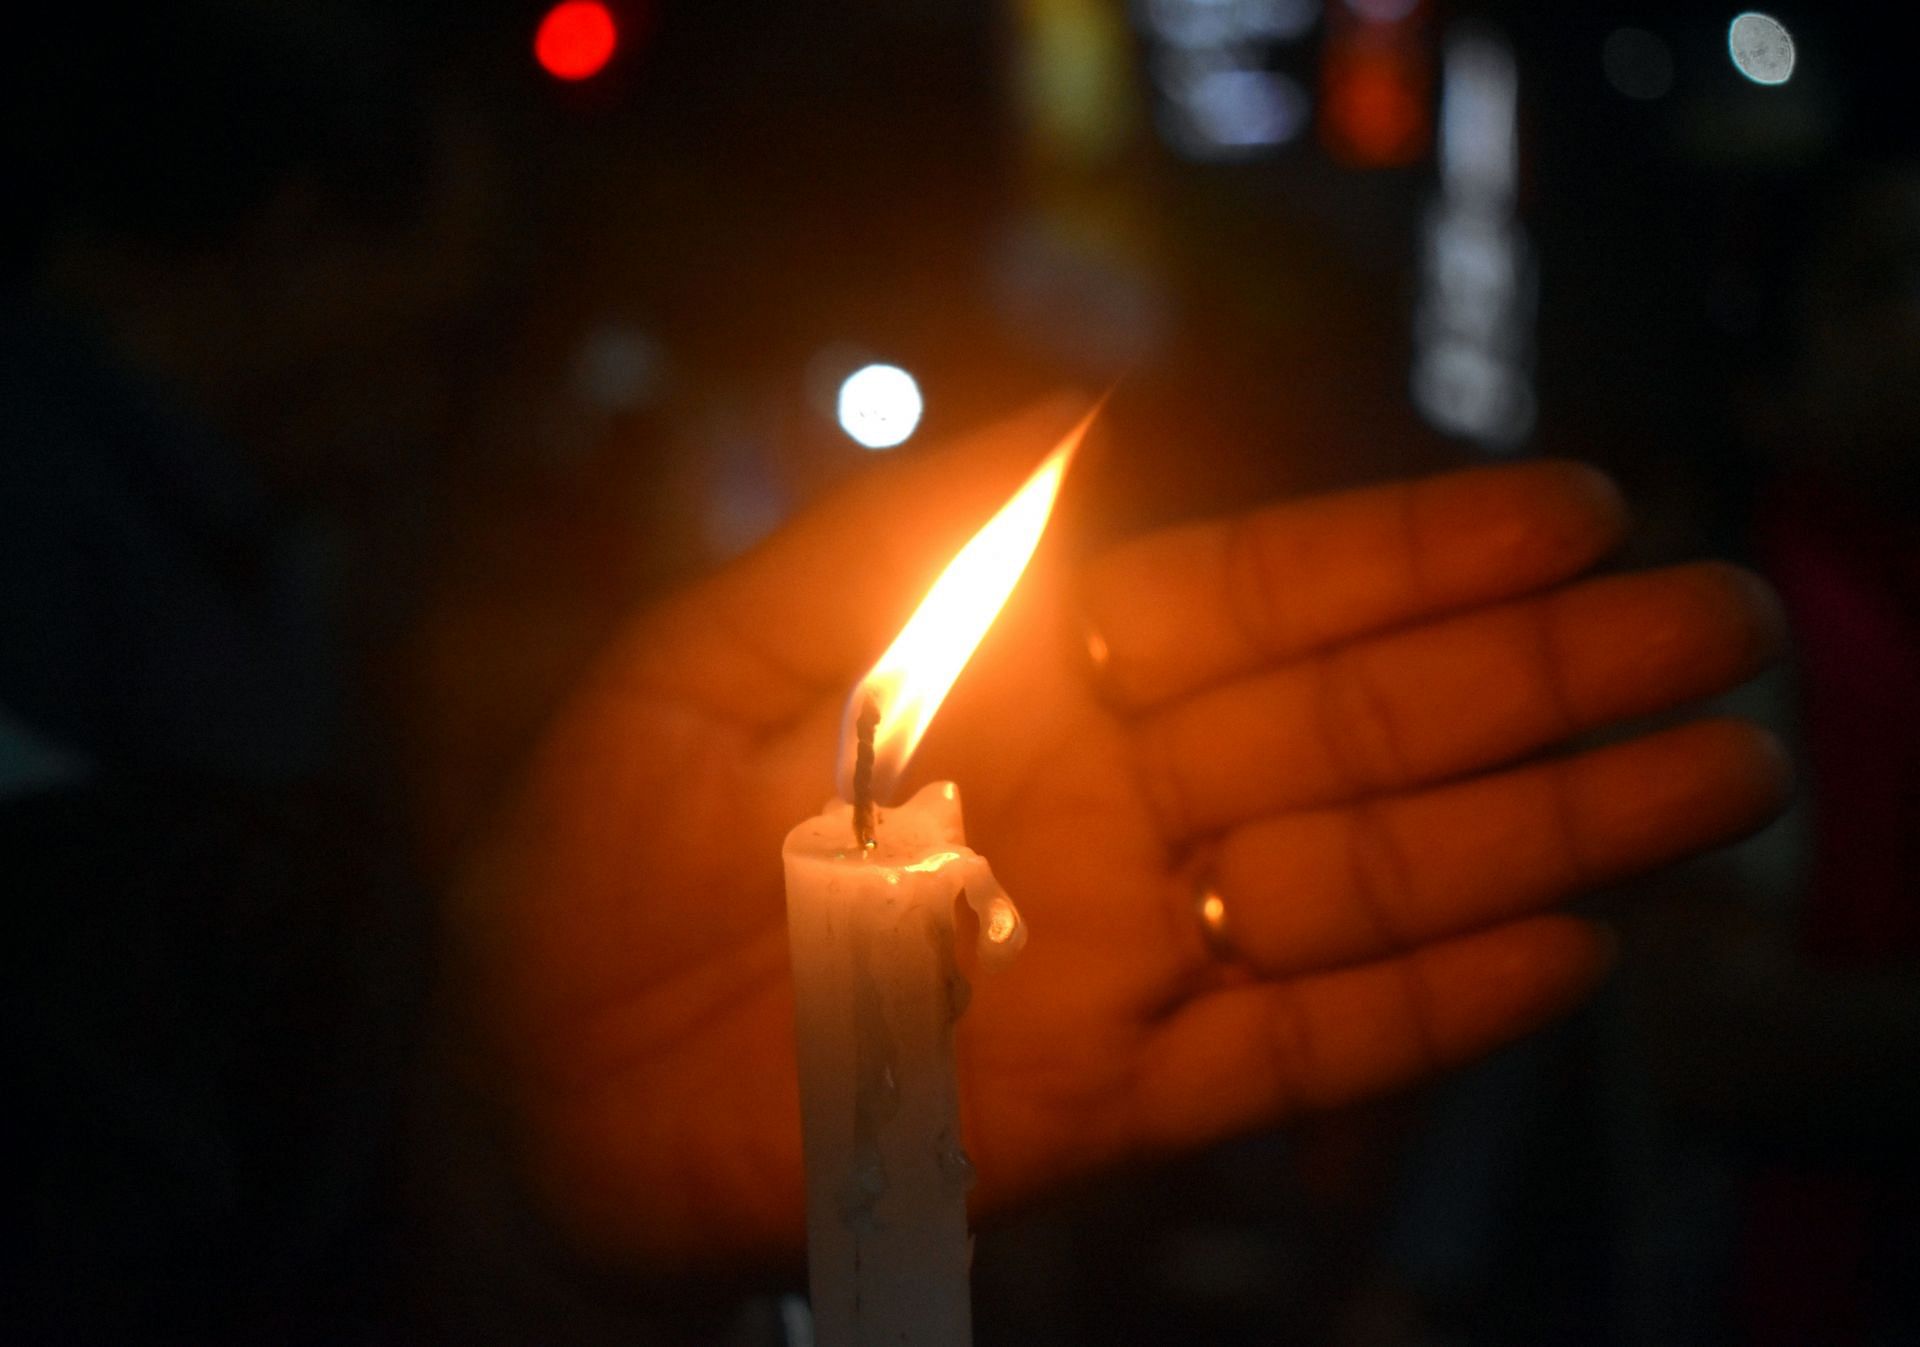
(1332, 708)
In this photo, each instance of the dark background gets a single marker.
(536, 349)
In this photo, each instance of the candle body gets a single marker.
(877, 992)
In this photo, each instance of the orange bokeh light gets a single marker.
(576, 39)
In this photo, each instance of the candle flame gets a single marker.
(912, 678)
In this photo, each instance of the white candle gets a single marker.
(877, 988)
(877, 993)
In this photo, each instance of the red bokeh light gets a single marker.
(1374, 108)
(576, 39)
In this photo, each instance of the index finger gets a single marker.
(1193, 605)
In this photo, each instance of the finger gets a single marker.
(1456, 696)
(1191, 606)
(1335, 887)
(1253, 1055)
(812, 607)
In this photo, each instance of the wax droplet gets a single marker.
(999, 932)
(934, 864)
(1002, 921)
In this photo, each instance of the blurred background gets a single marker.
(568, 302)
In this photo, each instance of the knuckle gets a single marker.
(1553, 668)
(1253, 588)
(1361, 732)
(1162, 769)
(1582, 868)
(1381, 876)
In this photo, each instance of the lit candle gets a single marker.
(871, 893)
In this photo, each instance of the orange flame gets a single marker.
(911, 680)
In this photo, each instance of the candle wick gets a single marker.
(864, 726)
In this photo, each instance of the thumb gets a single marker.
(810, 608)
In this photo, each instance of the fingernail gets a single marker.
(1776, 764)
(1763, 606)
(1743, 607)
(1601, 495)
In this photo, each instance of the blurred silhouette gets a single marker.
(236, 234)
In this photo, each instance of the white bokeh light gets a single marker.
(1474, 325)
(1761, 48)
(879, 406)
(1243, 109)
(1479, 125)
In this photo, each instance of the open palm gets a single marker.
(1330, 713)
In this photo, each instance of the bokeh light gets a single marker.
(1375, 104)
(879, 406)
(1242, 109)
(1479, 120)
(1761, 48)
(1473, 329)
(576, 39)
(1213, 61)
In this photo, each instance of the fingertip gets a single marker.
(1575, 956)
(1577, 952)
(1511, 980)
(1604, 950)
(1594, 956)
(1594, 494)
(1774, 766)
(1501, 532)
(1726, 614)
(1645, 642)
(1751, 765)
(1657, 799)
(1758, 604)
